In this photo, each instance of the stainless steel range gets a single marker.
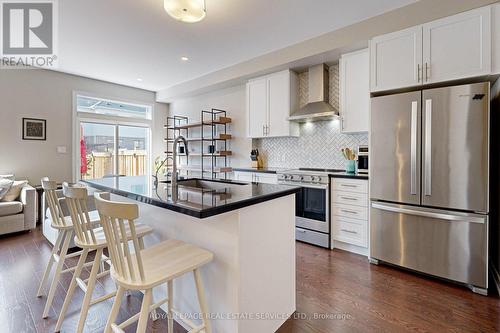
(312, 203)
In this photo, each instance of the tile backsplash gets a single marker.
(319, 144)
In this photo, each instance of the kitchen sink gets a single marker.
(207, 185)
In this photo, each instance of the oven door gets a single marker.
(363, 163)
(311, 208)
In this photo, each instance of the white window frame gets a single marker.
(88, 117)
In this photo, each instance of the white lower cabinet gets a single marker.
(349, 214)
(256, 177)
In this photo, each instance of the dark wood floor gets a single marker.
(336, 292)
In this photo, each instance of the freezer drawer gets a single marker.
(447, 244)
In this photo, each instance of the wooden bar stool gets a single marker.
(59, 254)
(147, 268)
(89, 239)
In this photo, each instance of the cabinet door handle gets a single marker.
(349, 198)
(349, 231)
(418, 72)
(427, 70)
(349, 211)
(263, 130)
(348, 185)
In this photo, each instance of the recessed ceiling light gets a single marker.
(184, 58)
(139, 79)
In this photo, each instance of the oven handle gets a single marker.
(316, 186)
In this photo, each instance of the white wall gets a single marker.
(233, 100)
(49, 95)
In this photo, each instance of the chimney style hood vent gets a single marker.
(317, 107)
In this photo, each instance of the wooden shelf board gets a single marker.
(219, 154)
(198, 168)
(219, 121)
(221, 137)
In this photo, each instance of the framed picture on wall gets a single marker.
(34, 129)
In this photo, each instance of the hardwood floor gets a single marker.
(336, 292)
(371, 298)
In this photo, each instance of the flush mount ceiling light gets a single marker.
(184, 58)
(189, 11)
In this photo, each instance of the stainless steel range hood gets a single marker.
(317, 107)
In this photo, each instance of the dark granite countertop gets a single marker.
(275, 170)
(263, 170)
(194, 197)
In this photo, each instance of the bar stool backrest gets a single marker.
(76, 199)
(127, 266)
(56, 212)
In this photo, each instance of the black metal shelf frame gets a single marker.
(208, 118)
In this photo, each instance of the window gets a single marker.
(97, 150)
(112, 108)
(108, 142)
(132, 150)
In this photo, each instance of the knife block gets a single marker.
(258, 164)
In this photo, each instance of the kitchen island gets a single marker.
(250, 228)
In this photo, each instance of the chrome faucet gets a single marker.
(174, 155)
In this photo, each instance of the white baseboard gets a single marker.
(350, 248)
(496, 277)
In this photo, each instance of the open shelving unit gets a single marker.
(212, 129)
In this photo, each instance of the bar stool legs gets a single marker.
(144, 314)
(71, 289)
(170, 305)
(48, 268)
(114, 309)
(203, 301)
(90, 289)
(67, 235)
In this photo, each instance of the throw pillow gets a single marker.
(15, 190)
(5, 185)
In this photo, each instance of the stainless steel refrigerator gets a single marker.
(429, 184)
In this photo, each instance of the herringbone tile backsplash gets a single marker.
(319, 144)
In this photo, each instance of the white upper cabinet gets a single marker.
(395, 59)
(495, 38)
(270, 99)
(355, 91)
(278, 86)
(451, 48)
(458, 46)
(257, 107)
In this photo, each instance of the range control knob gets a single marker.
(313, 178)
(319, 179)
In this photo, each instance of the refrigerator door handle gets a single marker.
(430, 213)
(428, 148)
(413, 157)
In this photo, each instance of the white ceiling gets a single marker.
(123, 40)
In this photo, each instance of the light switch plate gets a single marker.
(61, 149)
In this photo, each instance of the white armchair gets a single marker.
(19, 215)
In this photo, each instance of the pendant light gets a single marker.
(189, 11)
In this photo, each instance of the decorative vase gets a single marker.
(350, 166)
